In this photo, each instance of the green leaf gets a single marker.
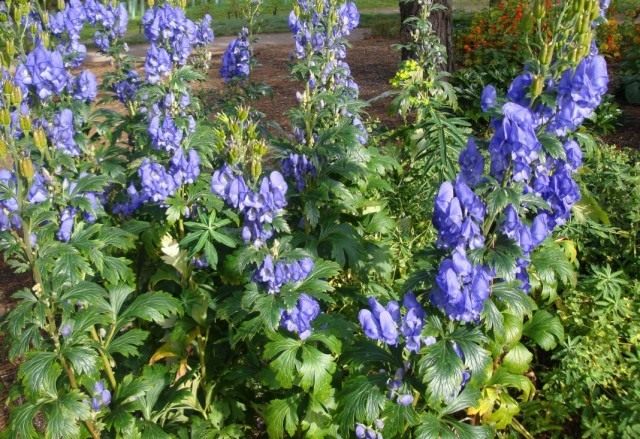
(127, 344)
(502, 377)
(64, 414)
(117, 296)
(467, 398)
(502, 256)
(316, 368)
(361, 399)
(397, 418)
(518, 359)
(545, 329)
(40, 372)
(441, 369)
(550, 262)
(432, 427)
(510, 294)
(153, 306)
(87, 292)
(367, 353)
(22, 418)
(283, 352)
(281, 415)
(512, 329)
(552, 145)
(83, 359)
(469, 340)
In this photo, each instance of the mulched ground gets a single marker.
(373, 63)
(9, 283)
(628, 134)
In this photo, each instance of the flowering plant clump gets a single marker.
(236, 60)
(192, 275)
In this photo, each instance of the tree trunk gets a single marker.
(441, 22)
(407, 9)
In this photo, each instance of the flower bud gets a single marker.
(60, 5)
(539, 10)
(25, 123)
(256, 169)
(17, 14)
(4, 150)
(5, 117)
(150, 3)
(10, 48)
(537, 86)
(26, 168)
(16, 96)
(40, 138)
(44, 36)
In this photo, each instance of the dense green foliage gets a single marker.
(199, 275)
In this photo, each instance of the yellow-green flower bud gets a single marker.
(26, 168)
(16, 96)
(25, 123)
(10, 48)
(537, 86)
(40, 138)
(4, 149)
(5, 117)
(256, 169)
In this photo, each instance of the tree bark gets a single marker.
(441, 22)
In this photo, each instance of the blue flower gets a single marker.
(85, 87)
(73, 53)
(127, 88)
(573, 153)
(299, 318)
(298, 167)
(379, 323)
(405, 400)
(38, 192)
(62, 131)
(135, 200)
(580, 91)
(204, 33)
(166, 135)
(101, 396)
(157, 183)
(43, 72)
(273, 276)
(519, 89)
(489, 98)
(236, 60)
(363, 432)
(185, 169)
(461, 287)
(471, 164)
(348, 17)
(515, 138)
(67, 219)
(457, 215)
(157, 64)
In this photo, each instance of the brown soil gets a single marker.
(628, 134)
(9, 283)
(373, 63)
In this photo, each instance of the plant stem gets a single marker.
(105, 360)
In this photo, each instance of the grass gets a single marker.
(227, 18)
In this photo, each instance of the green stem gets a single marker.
(105, 360)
